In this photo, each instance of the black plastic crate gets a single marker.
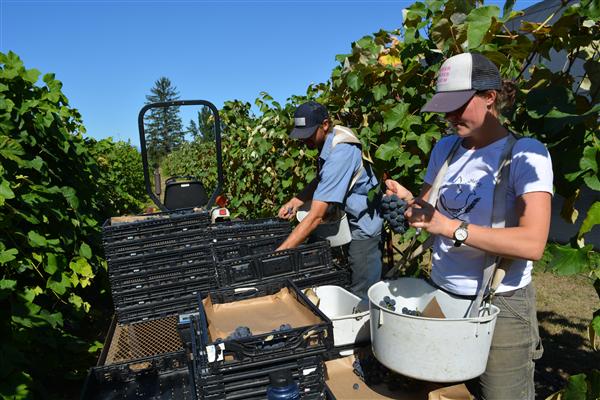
(141, 361)
(187, 303)
(340, 277)
(221, 355)
(197, 270)
(328, 395)
(257, 228)
(238, 248)
(155, 225)
(160, 293)
(105, 383)
(252, 381)
(160, 262)
(168, 244)
(291, 263)
(123, 252)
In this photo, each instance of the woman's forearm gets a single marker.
(516, 242)
(527, 240)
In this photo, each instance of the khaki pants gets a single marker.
(515, 347)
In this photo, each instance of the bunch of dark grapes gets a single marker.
(407, 311)
(239, 333)
(393, 209)
(388, 303)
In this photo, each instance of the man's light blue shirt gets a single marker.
(337, 167)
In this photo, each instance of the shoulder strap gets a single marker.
(341, 134)
(496, 267)
(437, 182)
(413, 252)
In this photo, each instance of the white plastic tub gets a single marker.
(431, 349)
(336, 229)
(350, 324)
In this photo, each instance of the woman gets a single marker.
(471, 95)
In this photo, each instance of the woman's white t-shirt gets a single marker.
(467, 193)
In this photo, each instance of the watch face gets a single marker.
(461, 234)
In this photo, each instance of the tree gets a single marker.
(207, 124)
(193, 130)
(164, 130)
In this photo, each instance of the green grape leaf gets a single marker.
(36, 240)
(396, 116)
(5, 192)
(379, 92)
(59, 287)
(7, 286)
(591, 219)
(355, 81)
(85, 251)
(8, 255)
(387, 151)
(576, 388)
(569, 261)
(480, 20)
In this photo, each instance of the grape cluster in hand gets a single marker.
(393, 209)
(388, 303)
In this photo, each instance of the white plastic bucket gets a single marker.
(336, 230)
(431, 349)
(350, 324)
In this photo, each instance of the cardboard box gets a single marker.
(344, 384)
(261, 314)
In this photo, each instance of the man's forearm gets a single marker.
(301, 232)
(306, 226)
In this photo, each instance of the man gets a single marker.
(342, 180)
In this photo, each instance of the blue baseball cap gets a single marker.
(307, 118)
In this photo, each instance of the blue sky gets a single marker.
(109, 53)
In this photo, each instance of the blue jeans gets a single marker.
(515, 347)
(365, 262)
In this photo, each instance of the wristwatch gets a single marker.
(461, 234)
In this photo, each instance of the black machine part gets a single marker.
(192, 188)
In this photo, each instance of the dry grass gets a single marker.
(565, 306)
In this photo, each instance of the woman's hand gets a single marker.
(421, 214)
(394, 187)
(288, 210)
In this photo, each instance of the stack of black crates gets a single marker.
(159, 265)
(239, 368)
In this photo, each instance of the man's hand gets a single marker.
(288, 210)
(394, 187)
(306, 226)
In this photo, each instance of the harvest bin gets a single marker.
(141, 361)
(223, 365)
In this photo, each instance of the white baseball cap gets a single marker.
(459, 78)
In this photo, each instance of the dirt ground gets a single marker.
(565, 307)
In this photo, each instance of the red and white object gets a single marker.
(219, 214)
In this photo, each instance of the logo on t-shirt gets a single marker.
(459, 198)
